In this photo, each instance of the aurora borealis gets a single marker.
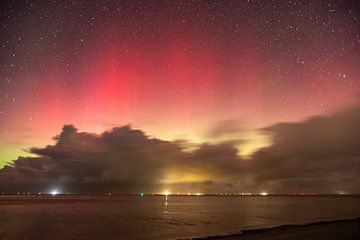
(193, 71)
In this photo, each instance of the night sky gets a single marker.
(203, 81)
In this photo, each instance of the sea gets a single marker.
(161, 217)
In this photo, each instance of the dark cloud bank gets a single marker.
(321, 154)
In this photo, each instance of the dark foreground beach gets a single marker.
(348, 229)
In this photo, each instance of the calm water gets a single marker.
(160, 217)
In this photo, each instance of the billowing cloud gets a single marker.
(225, 128)
(120, 160)
(321, 154)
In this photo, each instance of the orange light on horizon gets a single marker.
(166, 193)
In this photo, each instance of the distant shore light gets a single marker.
(54, 192)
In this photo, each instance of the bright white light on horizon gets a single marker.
(263, 193)
(54, 192)
(166, 193)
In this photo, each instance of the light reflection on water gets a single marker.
(161, 217)
(166, 204)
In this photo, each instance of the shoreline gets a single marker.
(328, 229)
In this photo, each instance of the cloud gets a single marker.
(120, 160)
(320, 154)
(225, 128)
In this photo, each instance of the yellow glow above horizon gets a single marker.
(11, 153)
(178, 176)
(253, 142)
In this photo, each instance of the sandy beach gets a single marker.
(348, 229)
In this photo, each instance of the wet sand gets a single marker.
(348, 229)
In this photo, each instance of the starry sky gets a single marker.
(195, 71)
